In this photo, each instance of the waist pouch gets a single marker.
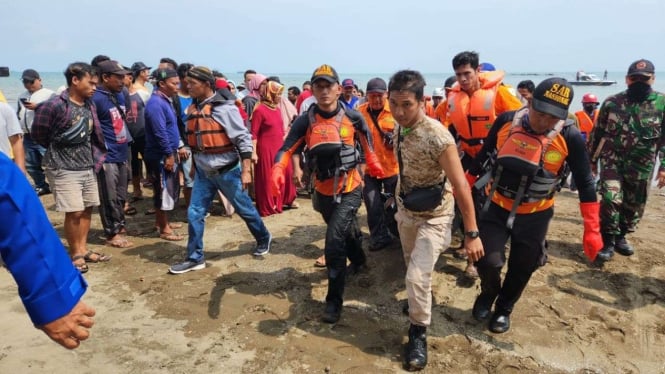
(76, 134)
(423, 199)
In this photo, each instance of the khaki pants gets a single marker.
(423, 239)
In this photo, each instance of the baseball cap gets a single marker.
(30, 74)
(348, 82)
(641, 67)
(376, 85)
(139, 66)
(553, 96)
(486, 66)
(325, 72)
(112, 67)
(438, 92)
(164, 74)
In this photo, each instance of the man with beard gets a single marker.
(626, 139)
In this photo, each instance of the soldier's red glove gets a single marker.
(592, 240)
(277, 179)
(471, 179)
(373, 166)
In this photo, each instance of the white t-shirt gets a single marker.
(306, 104)
(27, 116)
(9, 126)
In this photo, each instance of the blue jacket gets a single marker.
(161, 128)
(48, 283)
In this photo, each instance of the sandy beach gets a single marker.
(247, 315)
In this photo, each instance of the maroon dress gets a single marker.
(268, 131)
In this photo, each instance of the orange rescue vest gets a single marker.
(473, 116)
(204, 134)
(528, 168)
(586, 123)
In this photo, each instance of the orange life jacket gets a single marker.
(528, 168)
(204, 134)
(382, 128)
(586, 123)
(331, 152)
(473, 116)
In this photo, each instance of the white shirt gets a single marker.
(9, 126)
(306, 104)
(27, 116)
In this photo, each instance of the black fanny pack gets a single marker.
(423, 199)
(78, 133)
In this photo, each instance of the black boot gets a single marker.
(500, 322)
(622, 247)
(607, 251)
(332, 312)
(416, 349)
(490, 284)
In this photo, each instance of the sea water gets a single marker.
(12, 86)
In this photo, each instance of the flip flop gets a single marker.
(130, 211)
(120, 243)
(172, 236)
(101, 257)
(82, 268)
(320, 262)
(150, 211)
(172, 225)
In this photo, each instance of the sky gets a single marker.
(354, 36)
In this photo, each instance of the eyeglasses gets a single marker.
(28, 81)
(640, 78)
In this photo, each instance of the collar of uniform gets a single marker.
(328, 115)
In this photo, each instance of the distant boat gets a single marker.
(584, 79)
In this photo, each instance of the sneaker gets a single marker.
(187, 265)
(263, 248)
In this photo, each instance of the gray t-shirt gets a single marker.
(72, 157)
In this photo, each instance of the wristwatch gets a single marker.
(472, 234)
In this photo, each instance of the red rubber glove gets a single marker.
(592, 240)
(277, 179)
(374, 168)
(471, 179)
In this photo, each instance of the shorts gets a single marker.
(73, 190)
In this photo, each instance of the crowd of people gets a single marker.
(476, 150)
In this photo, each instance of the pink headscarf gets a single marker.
(253, 86)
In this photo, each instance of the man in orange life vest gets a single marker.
(529, 147)
(587, 117)
(338, 141)
(381, 123)
(473, 105)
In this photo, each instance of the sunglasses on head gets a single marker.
(28, 81)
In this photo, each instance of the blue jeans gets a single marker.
(204, 190)
(33, 161)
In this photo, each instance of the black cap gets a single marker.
(139, 66)
(164, 74)
(553, 96)
(377, 85)
(325, 72)
(641, 67)
(112, 67)
(30, 74)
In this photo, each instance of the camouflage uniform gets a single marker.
(633, 134)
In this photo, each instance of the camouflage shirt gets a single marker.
(633, 132)
(421, 146)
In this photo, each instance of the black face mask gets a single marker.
(589, 108)
(638, 91)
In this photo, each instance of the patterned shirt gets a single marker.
(421, 145)
(55, 116)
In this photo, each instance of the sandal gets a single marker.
(293, 205)
(320, 262)
(82, 268)
(171, 236)
(130, 211)
(120, 243)
(99, 257)
(150, 211)
(172, 225)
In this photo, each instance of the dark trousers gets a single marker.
(112, 183)
(376, 214)
(343, 239)
(137, 148)
(527, 253)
